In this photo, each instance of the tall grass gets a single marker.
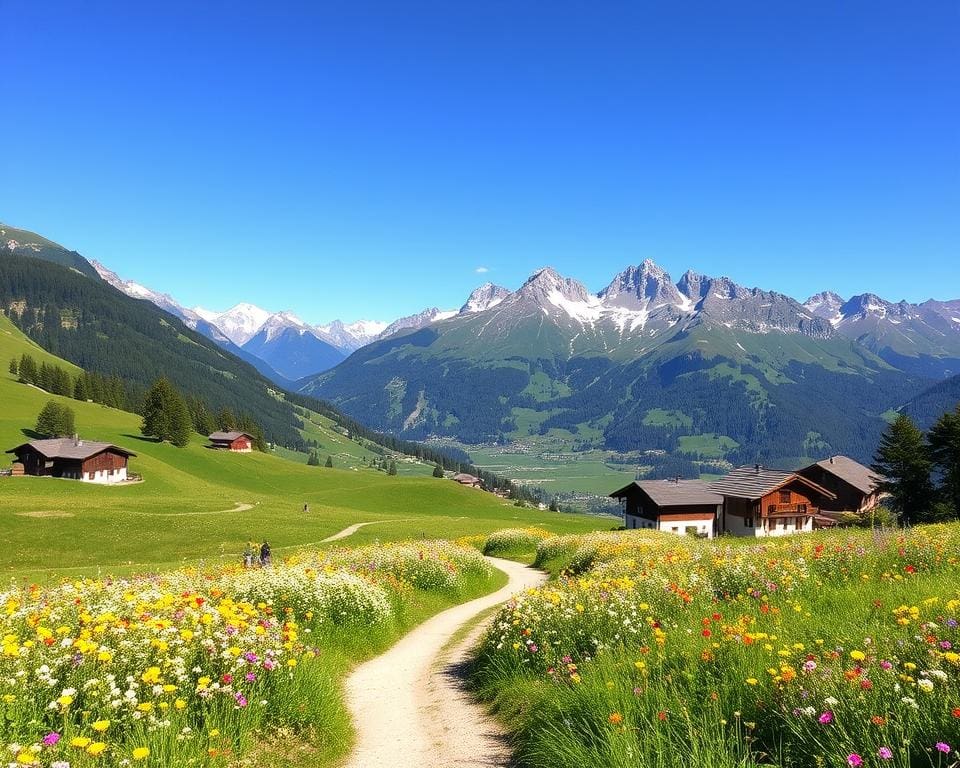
(836, 649)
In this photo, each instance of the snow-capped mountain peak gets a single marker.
(483, 298)
(644, 287)
(240, 323)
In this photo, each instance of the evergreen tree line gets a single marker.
(86, 386)
(167, 414)
(921, 471)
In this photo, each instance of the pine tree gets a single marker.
(62, 382)
(80, 388)
(902, 460)
(393, 468)
(554, 505)
(14, 366)
(329, 462)
(313, 460)
(944, 444)
(226, 420)
(55, 420)
(28, 369)
(437, 471)
(165, 414)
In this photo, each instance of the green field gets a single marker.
(196, 504)
(556, 471)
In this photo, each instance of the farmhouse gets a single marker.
(769, 502)
(238, 442)
(678, 506)
(469, 480)
(73, 458)
(854, 485)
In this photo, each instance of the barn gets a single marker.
(854, 485)
(238, 442)
(74, 459)
(677, 506)
(769, 502)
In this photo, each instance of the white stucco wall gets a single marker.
(103, 477)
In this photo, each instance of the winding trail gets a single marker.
(352, 529)
(409, 705)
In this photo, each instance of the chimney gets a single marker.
(677, 480)
(831, 459)
(756, 468)
(77, 441)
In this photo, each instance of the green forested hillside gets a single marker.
(19, 242)
(85, 321)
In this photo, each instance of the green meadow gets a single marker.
(198, 505)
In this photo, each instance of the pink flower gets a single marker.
(854, 759)
(885, 753)
(942, 747)
(51, 738)
(826, 718)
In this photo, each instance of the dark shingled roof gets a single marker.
(755, 483)
(69, 448)
(674, 493)
(852, 472)
(229, 437)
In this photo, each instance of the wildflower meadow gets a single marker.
(837, 649)
(197, 668)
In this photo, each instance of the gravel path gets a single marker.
(409, 705)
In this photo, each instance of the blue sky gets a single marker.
(354, 159)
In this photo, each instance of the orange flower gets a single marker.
(877, 720)
(615, 718)
(955, 712)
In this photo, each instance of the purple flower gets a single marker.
(51, 738)
(854, 759)
(241, 699)
(942, 747)
(826, 718)
(250, 677)
(885, 753)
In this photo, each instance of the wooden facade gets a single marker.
(73, 459)
(761, 502)
(853, 484)
(237, 442)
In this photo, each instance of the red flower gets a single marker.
(661, 715)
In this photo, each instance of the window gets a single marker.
(748, 521)
(784, 497)
(799, 523)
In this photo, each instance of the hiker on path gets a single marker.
(248, 556)
(265, 555)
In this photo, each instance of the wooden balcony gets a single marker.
(790, 510)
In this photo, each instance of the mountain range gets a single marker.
(701, 366)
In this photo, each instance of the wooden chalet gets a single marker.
(677, 506)
(471, 481)
(853, 484)
(74, 459)
(769, 502)
(237, 442)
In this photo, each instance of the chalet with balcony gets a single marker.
(74, 459)
(676, 506)
(236, 442)
(853, 484)
(769, 502)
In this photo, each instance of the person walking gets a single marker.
(265, 554)
(248, 556)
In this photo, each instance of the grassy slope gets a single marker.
(183, 510)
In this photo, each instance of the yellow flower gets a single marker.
(141, 753)
(81, 742)
(752, 681)
(180, 704)
(27, 758)
(97, 748)
(858, 655)
(100, 725)
(65, 701)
